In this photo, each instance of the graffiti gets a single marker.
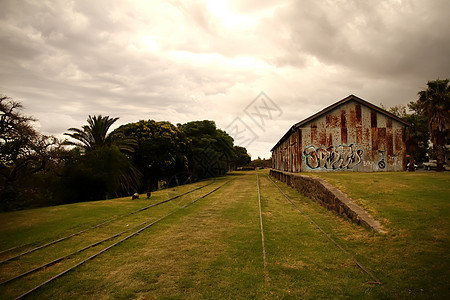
(333, 157)
(381, 163)
(395, 160)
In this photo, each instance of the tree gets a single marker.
(242, 158)
(95, 135)
(434, 102)
(27, 159)
(160, 152)
(101, 166)
(261, 163)
(417, 134)
(398, 110)
(98, 174)
(16, 131)
(212, 152)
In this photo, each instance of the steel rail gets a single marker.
(361, 266)
(73, 253)
(10, 249)
(95, 226)
(116, 243)
(173, 198)
(266, 274)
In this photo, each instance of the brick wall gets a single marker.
(328, 196)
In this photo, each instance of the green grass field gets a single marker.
(212, 249)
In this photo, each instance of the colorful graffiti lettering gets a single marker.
(333, 157)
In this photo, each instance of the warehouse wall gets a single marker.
(352, 137)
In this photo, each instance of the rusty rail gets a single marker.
(266, 274)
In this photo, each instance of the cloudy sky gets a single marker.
(181, 60)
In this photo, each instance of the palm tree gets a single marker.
(117, 173)
(95, 135)
(415, 137)
(434, 102)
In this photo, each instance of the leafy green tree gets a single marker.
(242, 158)
(160, 152)
(212, 152)
(261, 163)
(95, 135)
(417, 134)
(434, 103)
(398, 110)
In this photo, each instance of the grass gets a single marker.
(212, 249)
(415, 209)
(303, 263)
(27, 226)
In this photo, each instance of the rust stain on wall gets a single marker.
(323, 137)
(358, 115)
(329, 140)
(373, 119)
(313, 133)
(382, 139)
(299, 152)
(389, 141)
(332, 121)
(388, 123)
(398, 140)
(374, 136)
(365, 138)
(352, 118)
(343, 126)
(358, 135)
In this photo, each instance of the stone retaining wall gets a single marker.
(328, 196)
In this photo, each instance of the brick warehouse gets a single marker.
(350, 135)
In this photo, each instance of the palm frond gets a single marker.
(95, 134)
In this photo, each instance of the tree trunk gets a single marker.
(411, 148)
(440, 152)
(411, 167)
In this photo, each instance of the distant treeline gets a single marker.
(96, 163)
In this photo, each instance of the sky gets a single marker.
(255, 67)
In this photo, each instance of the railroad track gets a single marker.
(266, 274)
(125, 234)
(58, 240)
(373, 278)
